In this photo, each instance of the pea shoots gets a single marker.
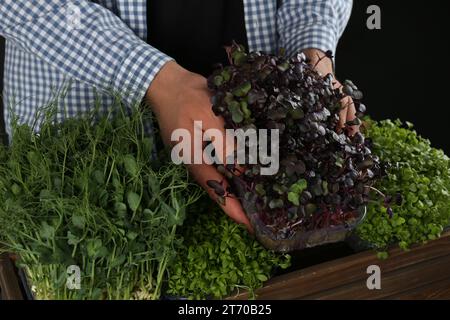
(88, 192)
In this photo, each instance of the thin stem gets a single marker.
(377, 191)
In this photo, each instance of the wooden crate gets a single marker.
(421, 273)
(10, 288)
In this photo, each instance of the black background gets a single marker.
(403, 68)
(170, 308)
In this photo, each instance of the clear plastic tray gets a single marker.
(299, 240)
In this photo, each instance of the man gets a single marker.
(100, 47)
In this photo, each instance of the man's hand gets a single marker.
(324, 66)
(178, 98)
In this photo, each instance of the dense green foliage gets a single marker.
(91, 195)
(421, 174)
(218, 256)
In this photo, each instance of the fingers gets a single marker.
(347, 113)
(234, 210)
(342, 116)
(212, 125)
(202, 173)
(215, 131)
(346, 104)
(351, 111)
(351, 114)
(198, 112)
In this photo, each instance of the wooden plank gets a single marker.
(392, 283)
(439, 290)
(9, 283)
(340, 272)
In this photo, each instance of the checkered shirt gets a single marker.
(80, 53)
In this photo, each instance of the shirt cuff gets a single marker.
(137, 72)
(314, 36)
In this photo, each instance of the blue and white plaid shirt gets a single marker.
(99, 47)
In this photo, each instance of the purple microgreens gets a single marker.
(326, 175)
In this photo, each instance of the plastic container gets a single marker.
(299, 240)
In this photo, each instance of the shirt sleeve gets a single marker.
(85, 41)
(312, 24)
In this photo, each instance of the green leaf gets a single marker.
(259, 188)
(339, 162)
(15, 189)
(72, 239)
(261, 277)
(242, 90)
(132, 235)
(147, 147)
(226, 75)
(175, 217)
(294, 198)
(236, 113)
(47, 232)
(245, 110)
(218, 80)
(239, 58)
(131, 166)
(279, 188)
(78, 221)
(299, 186)
(229, 98)
(118, 261)
(93, 246)
(102, 252)
(154, 184)
(134, 200)
(103, 197)
(120, 208)
(276, 204)
(99, 177)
